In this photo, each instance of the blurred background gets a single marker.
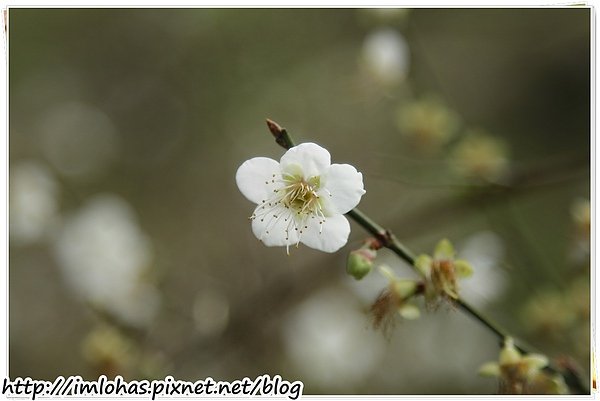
(130, 247)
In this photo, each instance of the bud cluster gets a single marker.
(398, 297)
(523, 374)
(441, 272)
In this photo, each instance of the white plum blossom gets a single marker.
(302, 198)
(33, 202)
(106, 259)
(385, 56)
(327, 341)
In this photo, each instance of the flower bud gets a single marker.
(360, 262)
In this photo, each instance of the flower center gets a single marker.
(294, 202)
(301, 195)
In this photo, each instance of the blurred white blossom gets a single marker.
(484, 251)
(78, 139)
(328, 340)
(424, 353)
(33, 201)
(105, 258)
(385, 56)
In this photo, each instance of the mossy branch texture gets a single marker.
(389, 241)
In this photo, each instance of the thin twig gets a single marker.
(389, 241)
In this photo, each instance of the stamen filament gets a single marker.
(293, 199)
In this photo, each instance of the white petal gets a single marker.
(343, 187)
(309, 158)
(333, 235)
(270, 226)
(254, 177)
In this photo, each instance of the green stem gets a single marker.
(389, 241)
